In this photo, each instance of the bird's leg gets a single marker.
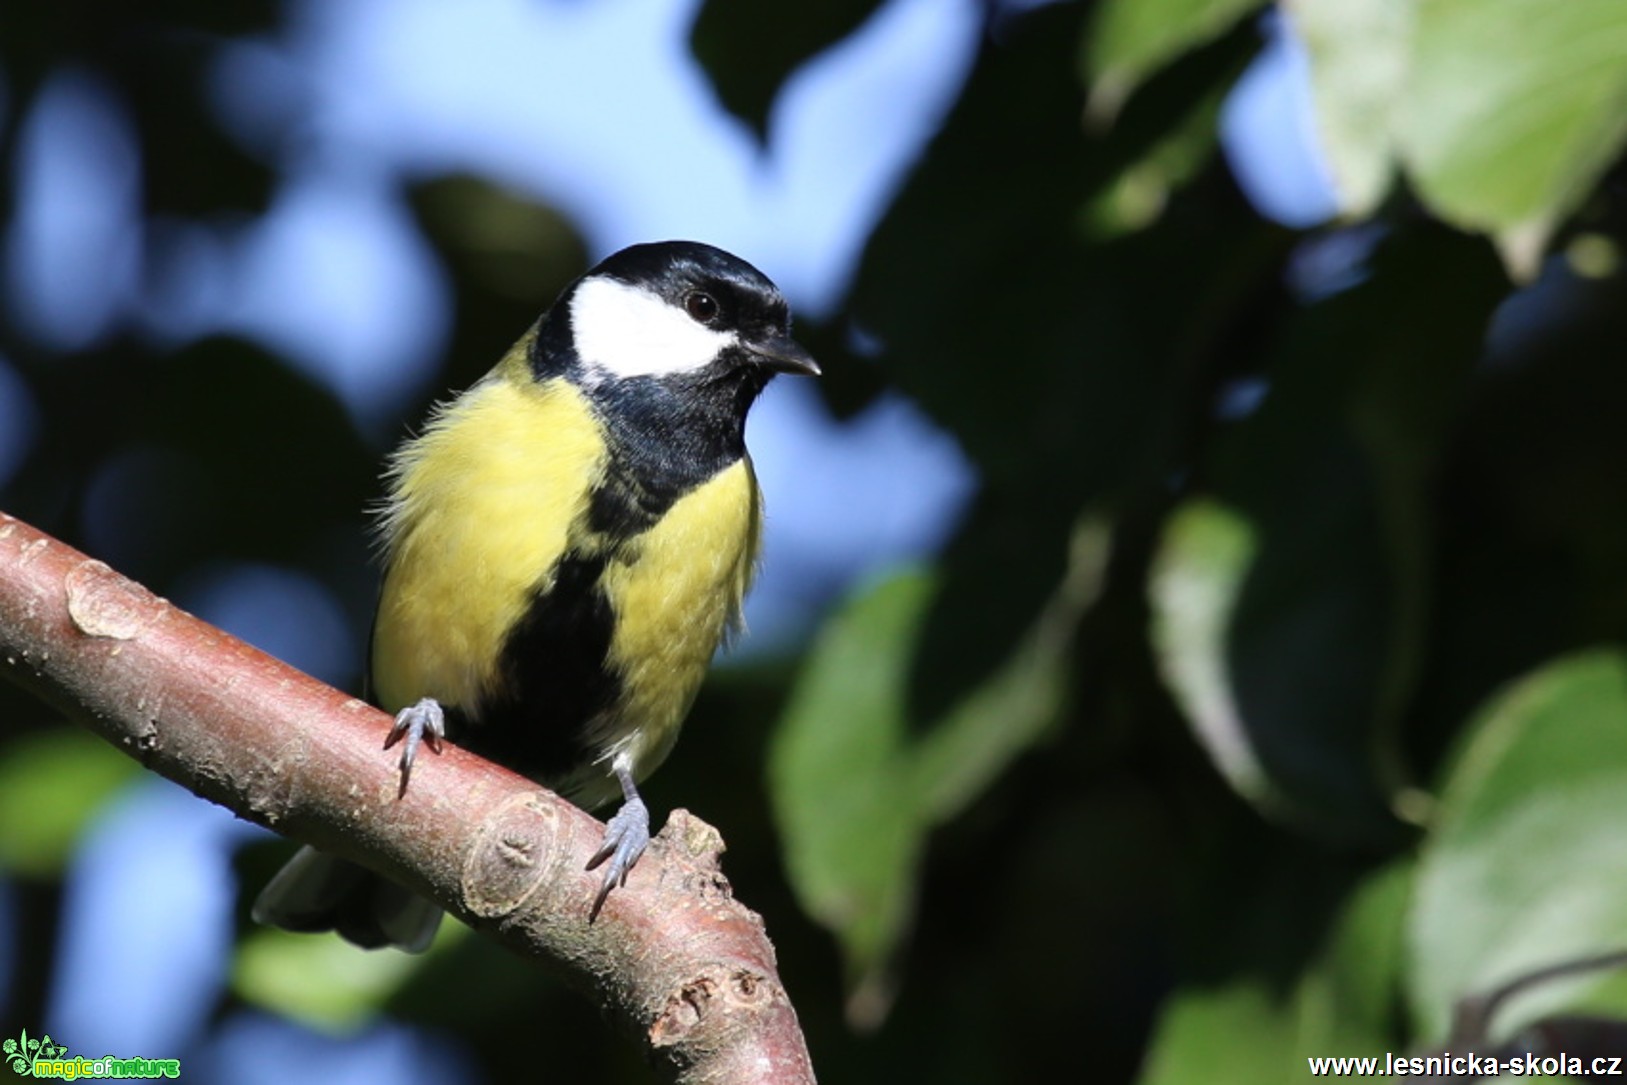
(625, 837)
(421, 722)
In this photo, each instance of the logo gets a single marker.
(40, 1058)
(23, 1052)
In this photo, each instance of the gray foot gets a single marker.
(422, 722)
(625, 838)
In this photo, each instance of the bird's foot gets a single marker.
(418, 723)
(625, 838)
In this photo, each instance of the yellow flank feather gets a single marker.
(481, 507)
(675, 591)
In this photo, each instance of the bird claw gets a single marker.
(423, 722)
(625, 838)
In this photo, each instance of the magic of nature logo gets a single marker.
(43, 1058)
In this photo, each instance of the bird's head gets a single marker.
(677, 310)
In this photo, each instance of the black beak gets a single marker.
(782, 354)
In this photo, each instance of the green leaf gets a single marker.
(51, 784)
(1195, 581)
(1131, 39)
(1286, 653)
(964, 753)
(856, 789)
(1237, 1033)
(1360, 53)
(840, 781)
(1290, 604)
(1138, 196)
(1503, 113)
(325, 982)
(1525, 865)
(1349, 998)
(1514, 109)
(1338, 997)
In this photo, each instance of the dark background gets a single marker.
(1195, 750)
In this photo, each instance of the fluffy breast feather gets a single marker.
(677, 590)
(482, 506)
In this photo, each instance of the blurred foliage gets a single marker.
(51, 784)
(1514, 875)
(858, 794)
(1268, 702)
(1129, 40)
(1502, 112)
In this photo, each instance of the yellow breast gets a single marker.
(676, 590)
(483, 505)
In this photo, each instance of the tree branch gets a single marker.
(672, 955)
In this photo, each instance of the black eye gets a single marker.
(702, 306)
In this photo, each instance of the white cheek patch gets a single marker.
(623, 331)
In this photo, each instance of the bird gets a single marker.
(565, 546)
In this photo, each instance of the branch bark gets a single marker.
(672, 955)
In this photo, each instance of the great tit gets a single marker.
(566, 544)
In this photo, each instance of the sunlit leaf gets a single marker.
(1350, 997)
(1360, 55)
(1514, 108)
(1142, 190)
(1232, 1034)
(1503, 113)
(840, 778)
(52, 783)
(1525, 865)
(1194, 587)
(323, 980)
(1130, 39)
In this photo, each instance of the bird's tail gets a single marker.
(316, 892)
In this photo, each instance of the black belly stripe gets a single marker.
(556, 678)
